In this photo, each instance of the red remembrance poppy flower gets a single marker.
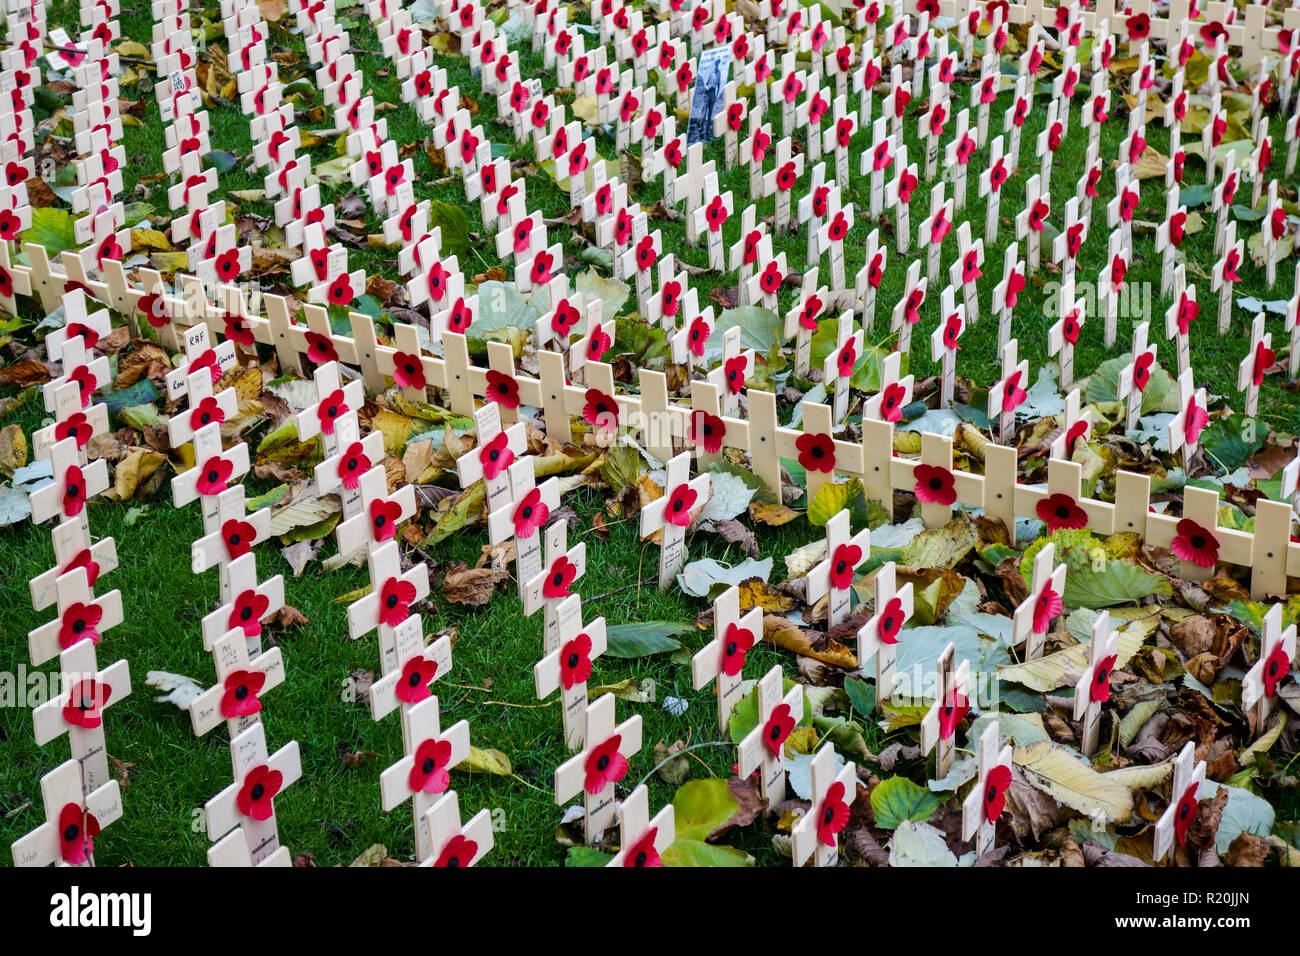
(1230, 263)
(952, 331)
(598, 345)
(495, 457)
(778, 728)
(86, 384)
(75, 426)
(564, 319)
(698, 336)
(604, 765)
(846, 358)
(997, 783)
(320, 349)
(1186, 814)
(6, 284)
(1059, 511)
(237, 330)
(891, 402)
(340, 291)
(934, 485)
(1046, 608)
(240, 697)
(600, 411)
(84, 559)
(1197, 418)
(330, 410)
(216, 472)
(248, 611)
(559, 578)
(680, 502)
(816, 452)
(541, 270)
(383, 519)
(1142, 370)
(1276, 667)
(429, 771)
(739, 641)
(395, 599)
(228, 265)
(408, 370)
(1188, 310)
(891, 621)
(85, 702)
(715, 214)
(459, 851)
(575, 662)
(1195, 544)
(707, 431)
(502, 389)
(1038, 215)
(771, 279)
(906, 186)
(913, 310)
(643, 852)
(1013, 396)
(1100, 687)
(531, 514)
(876, 273)
(1278, 223)
(1139, 26)
(954, 710)
(670, 298)
(811, 309)
(354, 464)
(238, 536)
(843, 563)
(839, 227)
(205, 413)
(1078, 430)
(77, 830)
(832, 815)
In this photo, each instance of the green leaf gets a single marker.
(760, 329)
(699, 808)
(833, 497)
(221, 160)
(942, 547)
(454, 225)
(1103, 386)
(643, 638)
(141, 393)
(861, 695)
(51, 228)
(586, 856)
(611, 293)
(501, 306)
(898, 799)
(1230, 440)
(1193, 196)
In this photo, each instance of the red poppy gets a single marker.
(215, 473)
(907, 182)
(205, 413)
(600, 410)
(1276, 667)
(1195, 543)
(240, 698)
(340, 291)
(954, 710)
(531, 513)
(320, 349)
(238, 536)
(1078, 430)
(77, 830)
(1188, 310)
(429, 771)
(459, 851)
(739, 641)
(1139, 26)
(84, 559)
(643, 852)
(383, 519)
(75, 426)
(353, 465)
(541, 270)
(778, 728)
(1211, 32)
(6, 284)
(876, 272)
(670, 298)
(1059, 511)
(934, 484)
(1185, 815)
(996, 785)
(698, 336)
(502, 389)
(846, 359)
(559, 578)
(1197, 418)
(237, 330)
(1015, 286)
(85, 702)
(843, 563)
(1230, 263)
(998, 175)
(86, 384)
(395, 601)
(249, 608)
(832, 815)
(839, 227)
(495, 457)
(912, 312)
(680, 502)
(228, 265)
(1142, 370)
(811, 309)
(952, 331)
(891, 402)
(708, 431)
(604, 765)
(1100, 687)
(408, 370)
(816, 452)
(1047, 607)
(901, 98)
(1278, 222)
(1013, 396)
(575, 661)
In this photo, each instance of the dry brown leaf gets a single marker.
(786, 634)
(471, 586)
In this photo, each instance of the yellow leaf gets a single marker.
(486, 761)
(757, 593)
(13, 449)
(1152, 164)
(785, 633)
(150, 239)
(1065, 667)
(772, 515)
(396, 429)
(1067, 780)
(246, 381)
(132, 48)
(134, 470)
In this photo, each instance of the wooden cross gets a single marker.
(951, 703)
(496, 451)
(868, 279)
(899, 195)
(82, 615)
(814, 206)
(1009, 392)
(802, 320)
(642, 841)
(1061, 503)
(763, 748)
(78, 710)
(878, 637)
(453, 844)
(90, 374)
(1136, 374)
(1075, 425)
(672, 513)
(907, 311)
(1120, 210)
(1189, 777)
(957, 157)
(600, 765)
(816, 834)
(241, 680)
(840, 365)
(877, 161)
(1031, 219)
(1034, 615)
(73, 818)
(895, 393)
(409, 669)
(934, 229)
(527, 510)
(943, 344)
(782, 179)
(567, 666)
(1276, 654)
(1064, 333)
(422, 773)
(932, 122)
(1252, 369)
(709, 219)
(1093, 687)
(983, 805)
(72, 548)
(1196, 538)
(1110, 284)
(247, 603)
(1193, 414)
(249, 803)
(833, 575)
(388, 605)
(992, 179)
(335, 406)
(723, 658)
(549, 590)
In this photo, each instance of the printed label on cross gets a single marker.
(642, 841)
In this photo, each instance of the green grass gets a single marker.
(334, 812)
